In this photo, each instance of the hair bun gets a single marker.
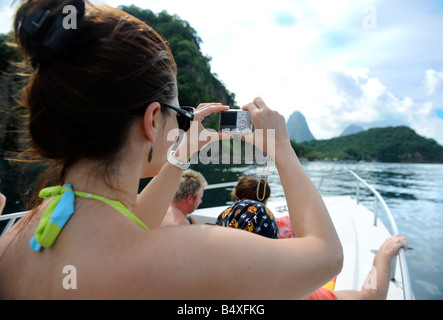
(42, 29)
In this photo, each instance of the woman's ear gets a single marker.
(151, 121)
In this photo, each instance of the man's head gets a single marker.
(190, 190)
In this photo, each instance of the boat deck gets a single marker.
(360, 240)
(359, 237)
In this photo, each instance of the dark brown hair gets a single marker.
(83, 99)
(246, 189)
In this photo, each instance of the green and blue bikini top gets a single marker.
(60, 210)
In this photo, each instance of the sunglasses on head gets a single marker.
(184, 116)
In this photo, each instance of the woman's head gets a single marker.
(84, 98)
(251, 188)
(252, 216)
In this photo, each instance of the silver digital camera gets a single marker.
(236, 122)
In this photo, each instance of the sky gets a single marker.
(371, 63)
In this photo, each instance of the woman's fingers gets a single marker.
(270, 132)
(205, 109)
(198, 136)
(259, 103)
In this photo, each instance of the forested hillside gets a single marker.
(196, 82)
(391, 144)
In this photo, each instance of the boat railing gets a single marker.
(221, 185)
(11, 218)
(378, 199)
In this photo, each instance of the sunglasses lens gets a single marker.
(184, 123)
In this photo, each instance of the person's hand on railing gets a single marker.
(392, 246)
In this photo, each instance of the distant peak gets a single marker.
(298, 128)
(351, 129)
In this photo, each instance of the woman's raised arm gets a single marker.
(154, 200)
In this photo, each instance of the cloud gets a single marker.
(316, 56)
(364, 100)
(6, 17)
(433, 81)
(285, 19)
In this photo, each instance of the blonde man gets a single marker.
(187, 198)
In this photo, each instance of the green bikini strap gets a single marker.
(117, 205)
(61, 209)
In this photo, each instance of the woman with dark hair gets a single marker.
(102, 100)
(251, 188)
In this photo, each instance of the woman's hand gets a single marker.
(205, 109)
(197, 137)
(270, 131)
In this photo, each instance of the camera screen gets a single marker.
(229, 119)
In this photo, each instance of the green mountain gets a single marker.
(391, 144)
